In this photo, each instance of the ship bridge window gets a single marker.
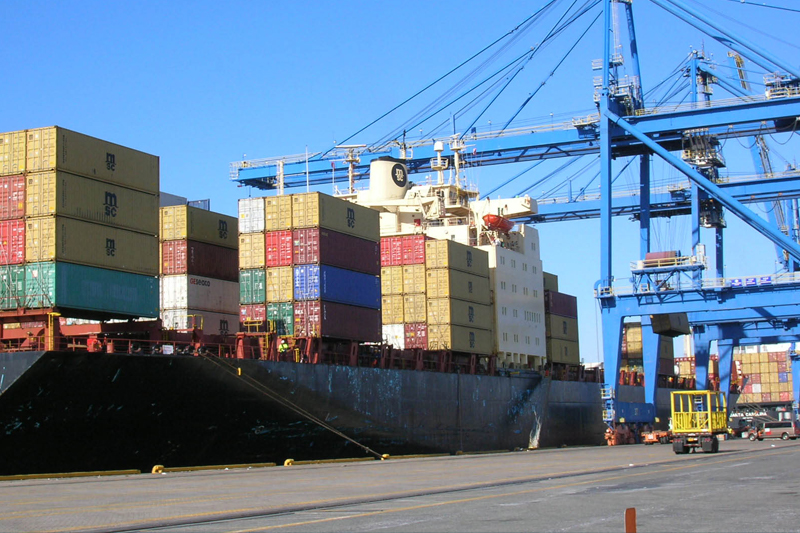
(513, 263)
(515, 313)
(503, 285)
(524, 267)
(513, 287)
(525, 291)
(502, 260)
(516, 337)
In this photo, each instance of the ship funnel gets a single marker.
(388, 179)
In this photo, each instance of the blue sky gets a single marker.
(202, 84)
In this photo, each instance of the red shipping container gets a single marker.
(12, 242)
(772, 357)
(755, 379)
(253, 312)
(413, 249)
(785, 396)
(12, 197)
(779, 356)
(748, 389)
(782, 366)
(199, 259)
(326, 247)
(278, 245)
(660, 255)
(766, 397)
(557, 303)
(391, 251)
(315, 318)
(416, 335)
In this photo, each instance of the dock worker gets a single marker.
(283, 347)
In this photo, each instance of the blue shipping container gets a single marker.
(322, 282)
(783, 377)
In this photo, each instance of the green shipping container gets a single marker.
(282, 316)
(252, 286)
(12, 286)
(98, 290)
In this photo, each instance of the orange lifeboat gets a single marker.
(497, 223)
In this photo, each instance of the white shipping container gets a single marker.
(251, 215)
(196, 292)
(394, 334)
(210, 322)
(757, 388)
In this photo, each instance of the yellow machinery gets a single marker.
(698, 417)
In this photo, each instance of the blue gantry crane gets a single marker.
(672, 295)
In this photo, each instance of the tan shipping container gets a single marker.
(564, 328)
(392, 308)
(456, 256)
(633, 332)
(252, 251)
(57, 148)
(60, 193)
(414, 308)
(460, 339)
(448, 283)
(278, 213)
(84, 243)
(314, 209)
(566, 352)
(12, 153)
(280, 284)
(550, 281)
(391, 282)
(413, 279)
(460, 313)
(182, 222)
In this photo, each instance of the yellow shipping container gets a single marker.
(84, 243)
(391, 282)
(456, 256)
(449, 283)
(550, 281)
(773, 367)
(12, 153)
(460, 313)
(60, 193)
(413, 279)
(252, 251)
(634, 349)
(181, 222)
(280, 284)
(560, 351)
(784, 387)
(278, 213)
(633, 332)
(460, 339)
(565, 328)
(392, 309)
(764, 367)
(763, 357)
(314, 209)
(57, 148)
(414, 308)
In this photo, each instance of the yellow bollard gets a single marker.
(158, 469)
(288, 462)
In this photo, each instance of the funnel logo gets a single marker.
(399, 175)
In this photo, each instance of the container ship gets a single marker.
(141, 329)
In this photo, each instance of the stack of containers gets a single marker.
(403, 294)
(632, 351)
(767, 375)
(561, 327)
(199, 274)
(79, 225)
(459, 302)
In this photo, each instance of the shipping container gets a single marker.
(413, 249)
(315, 209)
(199, 259)
(670, 324)
(252, 313)
(416, 335)
(281, 318)
(252, 251)
(566, 328)
(278, 213)
(12, 153)
(77, 241)
(460, 339)
(60, 193)
(251, 215)
(197, 292)
(560, 351)
(12, 287)
(316, 318)
(97, 290)
(12, 242)
(12, 196)
(392, 309)
(192, 223)
(550, 281)
(448, 283)
(280, 284)
(394, 335)
(456, 256)
(460, 313)
(252, 286)
(278, 246)
(392, 280)
(414, 279)
(209, 322)
(415, 308)
(391, 251)
(328, 247)
(558, 303)
(312, 282)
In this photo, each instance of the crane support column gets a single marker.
(651, 348)
(702, 337)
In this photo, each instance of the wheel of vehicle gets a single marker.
(785, 436)
(760, 439)
(752, 437)
(714, 444)
(679, 446)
